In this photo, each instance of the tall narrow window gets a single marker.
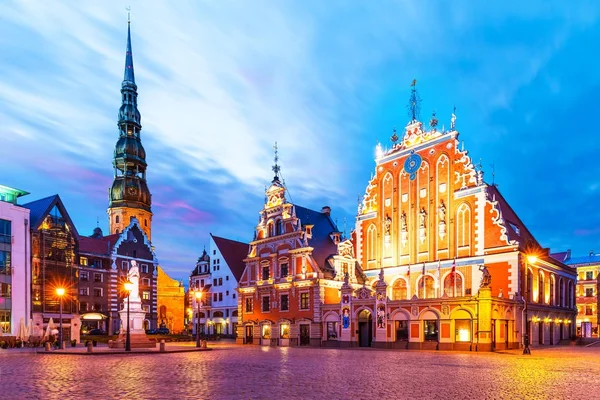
(463, 226)
(284, 270)
(371, 242)
(265, 272)
(400, 290)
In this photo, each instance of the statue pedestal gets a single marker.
(137, 334)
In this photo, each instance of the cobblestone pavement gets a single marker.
(252, 372)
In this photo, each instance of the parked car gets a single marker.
(151, 332)
(162, 331)
(96, 332)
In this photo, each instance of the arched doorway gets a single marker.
(365, 328)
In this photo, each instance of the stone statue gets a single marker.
(381, 274)
(422, 217)
(133, 276)
(346, 278)
(442, 212)
(486, 278)
(403, 221)
(388, 224)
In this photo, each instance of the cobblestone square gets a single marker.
(253, 372)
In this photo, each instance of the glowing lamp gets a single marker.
(128, 286)
(60, 291)
(198, 295)
(531, 259)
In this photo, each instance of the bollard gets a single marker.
(47, 346)
(90, 347)
(203, 344)
(162, 345)
(63, 345)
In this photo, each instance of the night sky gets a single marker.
(220, 82)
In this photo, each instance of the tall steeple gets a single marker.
(129, 195)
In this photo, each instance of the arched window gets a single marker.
(529, 286)
(426, 287)
(371, 242)
(463, 226)
(453, 285)
(400, 290)
(571, 296)
(552, 289)
(145, 222)
(561, 292)
(279, 227)
(117, 219)
(270, 229)
(541, 292)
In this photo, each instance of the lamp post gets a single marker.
(60, 292)
(128, 287)
(529, 260)
(198, 299)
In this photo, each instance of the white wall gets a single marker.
(220, 269)
(20, 260)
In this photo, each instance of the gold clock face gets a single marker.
(131, 190)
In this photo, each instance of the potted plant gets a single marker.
(18, 343)
(4, 345)
(73, 343)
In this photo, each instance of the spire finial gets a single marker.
(128, 8)
(414, 103)
(394, 137)
(276, 167)
(129, 76)
(453, 119)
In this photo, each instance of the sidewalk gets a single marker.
(103, 349)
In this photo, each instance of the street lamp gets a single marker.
(198, 299)
(128, 287)
(530, 260)
(60, 292)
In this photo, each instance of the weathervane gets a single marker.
(276, 167)
(394, 137)
(433, 121)
(414, 104)
(453, 120)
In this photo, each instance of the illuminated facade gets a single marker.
(446, 258)
(588, 285)
(15, 253)
(290, 272)
(217, 276)
(129, 195)
(170, 302)
(54, 253)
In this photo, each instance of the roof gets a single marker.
(323, 226)
(39, 209)
(562, 256)
(515, 228)
(234, 254)
(592, 259)
(103, 245)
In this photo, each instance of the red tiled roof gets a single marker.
(234, 254)
(515, 228)
(103, 245)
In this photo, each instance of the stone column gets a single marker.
(484, 329)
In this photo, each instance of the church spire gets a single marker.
(129, 195)
(276, 167)
(414, 103)
(129, 75)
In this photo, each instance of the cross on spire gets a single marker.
(414, 103)
(276, 167)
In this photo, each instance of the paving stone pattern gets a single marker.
(253, 372)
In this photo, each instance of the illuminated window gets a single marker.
(332, 330)
(249, 304)
(146, 295)
(83, 261)
(462, 330)
(304, 298)
(589, 292)
(589, 275)
(371, 242)
(426, 287)
(399, 290)
(463, 226)
(284, 331)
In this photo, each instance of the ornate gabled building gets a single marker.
(449, 264)
(129, 195)
(292, 268)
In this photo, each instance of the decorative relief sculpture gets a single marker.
(486, 278)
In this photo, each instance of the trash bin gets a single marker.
(162, 346)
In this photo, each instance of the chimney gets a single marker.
(326, 210)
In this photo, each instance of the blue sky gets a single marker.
(219, 82)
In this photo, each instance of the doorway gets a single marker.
(541, 333)
(365, 328)
(249, 334)
(304, 335)
(551, 333)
